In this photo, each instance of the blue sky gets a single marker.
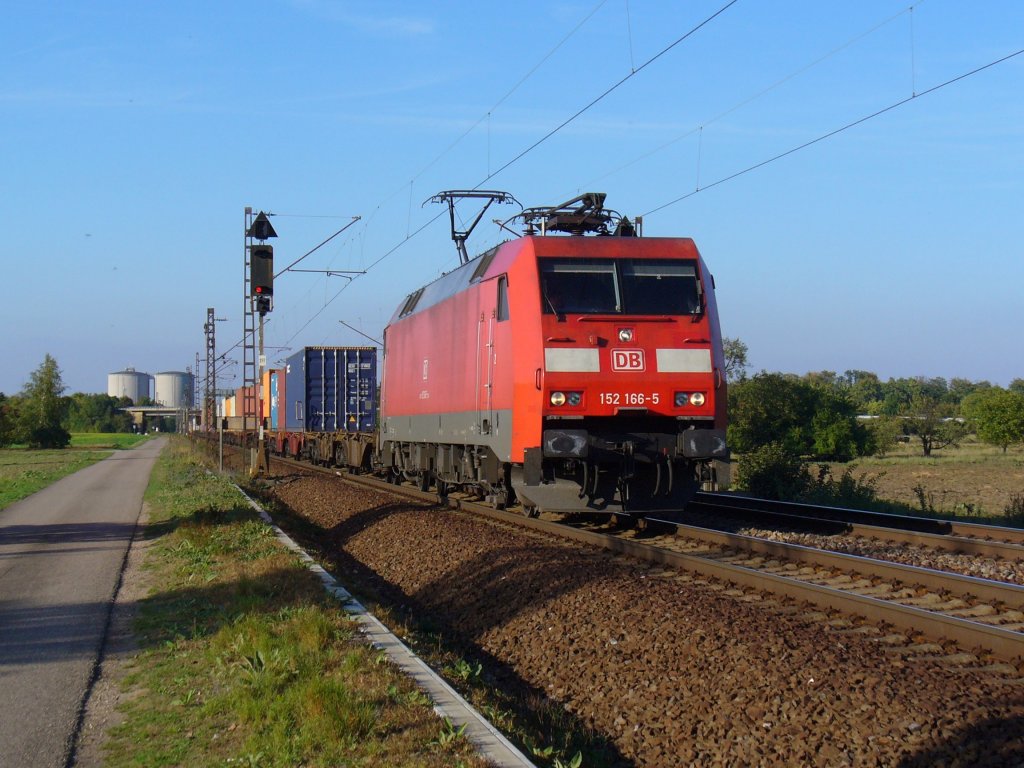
(134, 135)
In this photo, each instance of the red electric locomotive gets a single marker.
(578, 367)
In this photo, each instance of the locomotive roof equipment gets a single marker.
(450, 196)
(584, 214)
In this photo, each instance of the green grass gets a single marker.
(246, 661)
(112, 440)
(23, 472)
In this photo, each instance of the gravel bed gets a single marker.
(672, 669)
(997, 569)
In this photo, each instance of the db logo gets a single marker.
(627, 360)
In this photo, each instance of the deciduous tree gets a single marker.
(736, 364)
(8, 420)
(931, 418)
(42, 408)
(997, 416)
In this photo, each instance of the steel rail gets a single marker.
(885, 520)
(950, 542)
(914, 575)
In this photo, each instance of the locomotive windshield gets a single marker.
(620, 286)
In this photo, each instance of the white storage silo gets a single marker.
(128, 383)
(173, 389)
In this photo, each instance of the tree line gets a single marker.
(824, 415)
(41, 416)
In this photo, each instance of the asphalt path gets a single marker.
(61, 554)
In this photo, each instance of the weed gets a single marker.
(574, 762)
(1014, 511)
(465, 671)
(925, 500)
(449, 733)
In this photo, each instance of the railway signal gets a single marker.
(261, 261)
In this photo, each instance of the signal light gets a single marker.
(261, 269)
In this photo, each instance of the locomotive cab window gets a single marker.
(620, 286)
(579, 285)
(655, 287)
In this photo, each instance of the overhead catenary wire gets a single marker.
(558, 128)
(609, 91)
(698, 129)
(489, 112)
(836, 131)
(412, 234)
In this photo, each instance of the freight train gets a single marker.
(576, 367)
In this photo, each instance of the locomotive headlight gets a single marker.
(575, 398)
(625, 335)
(682, 398)
(697, 398)
(558, 398)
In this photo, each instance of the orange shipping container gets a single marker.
(245, 402)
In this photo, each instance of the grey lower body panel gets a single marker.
(488, 429)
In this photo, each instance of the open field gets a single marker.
(245, 660)
(973, 480)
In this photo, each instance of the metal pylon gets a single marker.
(210, 392)
(249, 374)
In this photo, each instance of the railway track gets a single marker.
(950, 536)
(982, 615)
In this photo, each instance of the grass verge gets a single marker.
(246, 661)
(24, 472)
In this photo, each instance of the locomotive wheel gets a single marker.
(531, 510)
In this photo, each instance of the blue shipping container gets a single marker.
(276, 403)
(331, 389)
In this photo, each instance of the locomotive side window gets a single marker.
(657, 287)
(410, 303)
(502, 298)
(579, 285)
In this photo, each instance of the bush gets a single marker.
(886, 432)
(844, 491)
(808, 419)
(48, 437)
(772, 472)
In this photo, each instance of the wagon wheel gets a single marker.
(443, 489)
